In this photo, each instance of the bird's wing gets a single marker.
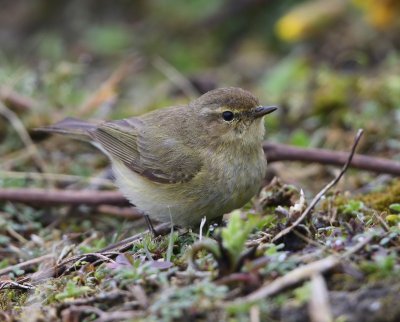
(148, 151)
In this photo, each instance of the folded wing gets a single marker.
(148, 150)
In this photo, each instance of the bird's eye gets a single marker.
(228, 116)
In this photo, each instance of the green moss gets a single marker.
(393, 219)
(12, 300)
(381, 200)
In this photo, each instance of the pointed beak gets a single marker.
(260, 111)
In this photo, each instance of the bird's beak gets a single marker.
(260, 111)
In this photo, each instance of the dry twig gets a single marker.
(107, 92)
(322, 192)
(24, 135)
(293, 277)
(281, 152)
(6, 317)
(176, 77)
(319, 308)
(56, 177)
(8, 284)
(16, 101)
(10, 159)
(26, 264)
(62, 197)
(302, 273)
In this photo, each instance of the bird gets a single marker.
(183, 163)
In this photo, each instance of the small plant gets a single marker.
(72, 290)
(235, 234)
(353, 207)
(229, 248)
(382, 266)
(395, 207)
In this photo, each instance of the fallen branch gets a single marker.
(45, 197)
(107, 91)
(322, 192)
(176, 78)
(10, 285)
(21, 130)
(24, 265)
(108, 202)
(295, 276)
(16, 101)
(301, 274)
(56, 177)
(319, 308)
(281, 152)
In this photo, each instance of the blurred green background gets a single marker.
(331, 66)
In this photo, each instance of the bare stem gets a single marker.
(282, 152)
(323, 191)
(53, 197)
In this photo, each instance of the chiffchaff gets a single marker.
(185, 162)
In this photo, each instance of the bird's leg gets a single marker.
(150, 225)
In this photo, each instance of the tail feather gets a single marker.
(72, 127)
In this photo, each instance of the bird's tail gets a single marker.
(71, 127)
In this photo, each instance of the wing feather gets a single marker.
(149, 151)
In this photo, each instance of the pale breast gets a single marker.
(242, 175)
(225, 183)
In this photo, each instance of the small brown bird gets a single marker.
(185, 162)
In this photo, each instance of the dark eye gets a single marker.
(228, 116)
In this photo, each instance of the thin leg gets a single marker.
(150, 225)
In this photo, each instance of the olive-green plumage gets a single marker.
(185, 162)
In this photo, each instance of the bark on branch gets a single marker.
(45, 197)
(281, 152)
